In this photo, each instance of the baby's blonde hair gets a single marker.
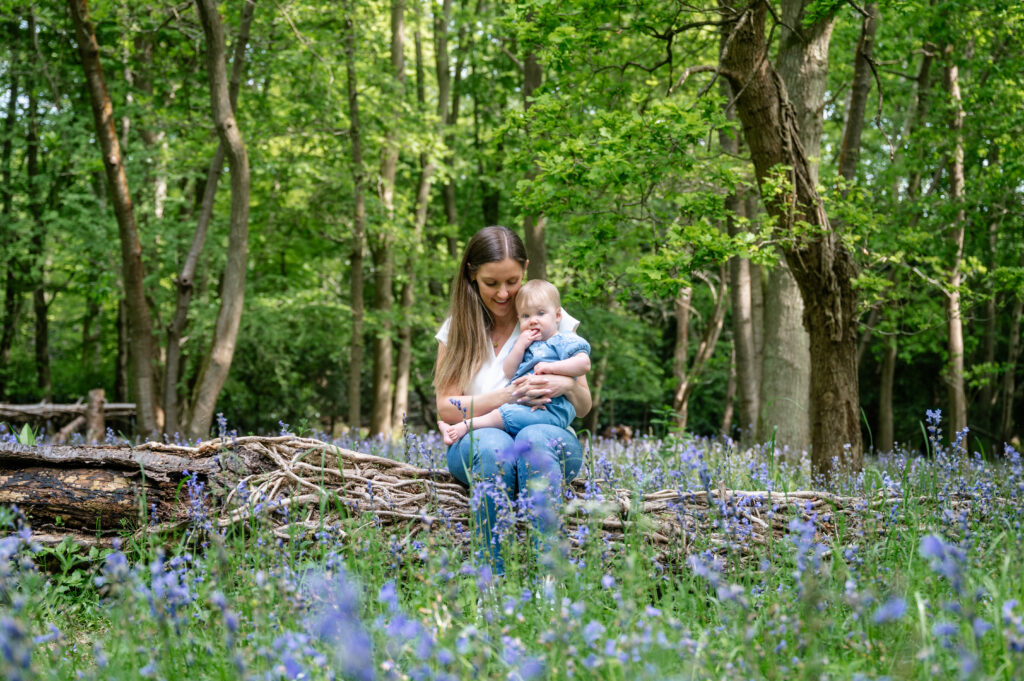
(536, 290)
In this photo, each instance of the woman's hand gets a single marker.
(536, 390)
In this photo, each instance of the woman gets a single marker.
(469, 378)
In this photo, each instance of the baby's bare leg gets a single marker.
(453, 432)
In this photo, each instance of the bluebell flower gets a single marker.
(335, 620)
(15, 651)
(980, 626)
(945, 559)
(890, 611)
(592, 632)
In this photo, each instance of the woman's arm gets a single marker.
(537, 390)
(452, 408)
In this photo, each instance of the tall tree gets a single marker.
(217, 363)
(821, 265)
(957, 417)
(403, 363)
(802, 64)
(747, 366)
(12, 297)
(140, 327)
(534, 225)
(382, 243)
(36, 258)
(447, 112)
(185, 281)
(687, 372)
(355, 356)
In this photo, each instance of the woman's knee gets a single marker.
(477, 454)
(551, 447)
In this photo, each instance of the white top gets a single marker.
(491, 375)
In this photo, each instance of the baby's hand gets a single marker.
(528, 336)
(542, 368)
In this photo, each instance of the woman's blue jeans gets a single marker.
(539, 457)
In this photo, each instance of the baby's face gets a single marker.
(542, 315)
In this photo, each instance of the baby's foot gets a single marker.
(452, 433)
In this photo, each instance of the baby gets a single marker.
(540, 348)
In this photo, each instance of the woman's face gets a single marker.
(498, 283)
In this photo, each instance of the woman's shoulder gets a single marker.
(568, 324)
(442, 333)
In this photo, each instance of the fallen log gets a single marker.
(46, 410)
(297, 485)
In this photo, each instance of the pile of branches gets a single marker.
(301, 486)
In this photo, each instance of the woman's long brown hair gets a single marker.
(468, 343)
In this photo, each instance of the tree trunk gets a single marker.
(916, 116)
(849, 153)
(403, 365)
(987, 395)
(689, 376)
(597, 388)
(448, 120)
(92, 341)
(682, 306)
(383, 244)
(36, 260)
(1006, 423)
(355, 355)
(957, 417)
(533, 225)
(785, 385)
(745, 357)
(185, 282)
(216, 365)
(802, 64)
(121, 390)
(886, 434)
(12, 294)
(730, 396)
(820, 264)
(95, 427)
(140, 328)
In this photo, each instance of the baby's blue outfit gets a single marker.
(559, 411)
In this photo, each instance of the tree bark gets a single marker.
(957, 417)
(140, 328)
(784, 395)
(820, 264)
(185, 282)
(849, 153)
(216, 365)
(355, 355)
